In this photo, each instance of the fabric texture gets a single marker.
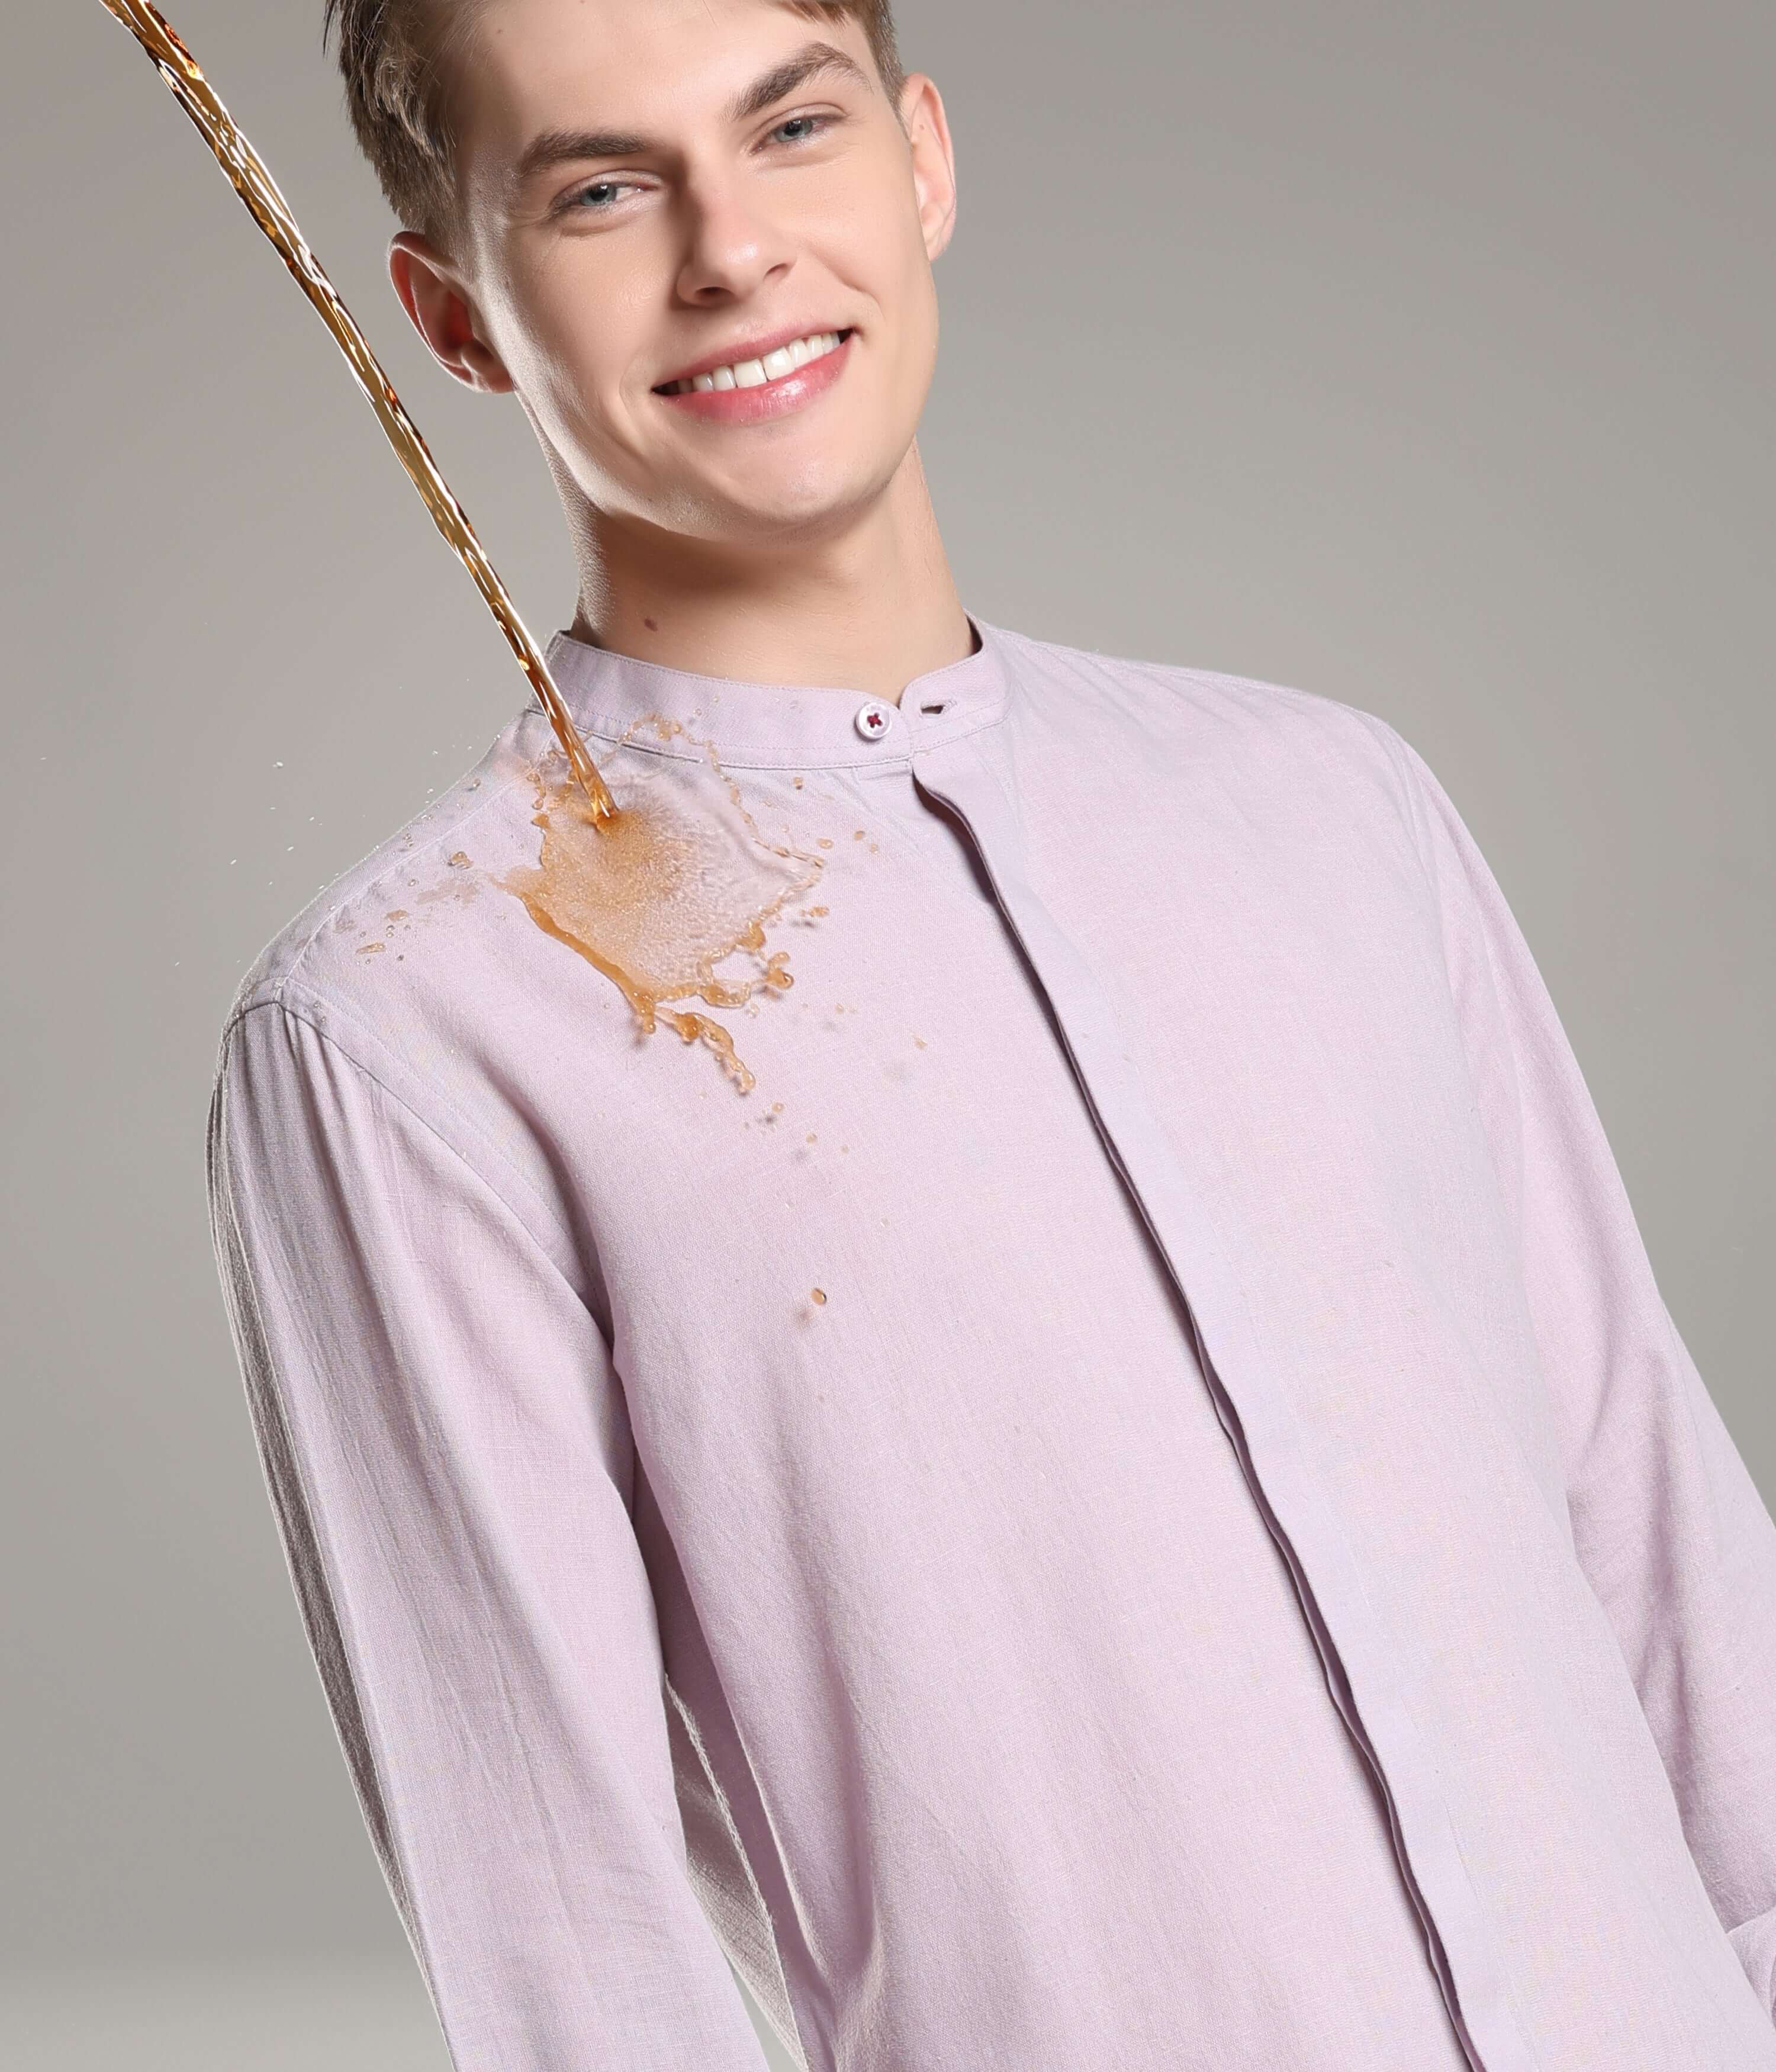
(1239, 1568)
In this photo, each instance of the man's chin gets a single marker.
(805, 513)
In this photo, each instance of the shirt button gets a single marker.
(874, 720)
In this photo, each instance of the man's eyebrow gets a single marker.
(562, 147)
(556, 147)
(781, 80)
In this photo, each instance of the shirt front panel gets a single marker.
(1004, 1669)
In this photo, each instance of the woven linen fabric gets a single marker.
(1239, 1571)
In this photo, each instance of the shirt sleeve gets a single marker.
(448, 1456)
(1676, 1540)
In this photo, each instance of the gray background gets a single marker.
(1416, 356)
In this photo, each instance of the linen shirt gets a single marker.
(1239, 1571)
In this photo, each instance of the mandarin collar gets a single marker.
(780, 726)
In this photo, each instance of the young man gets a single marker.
(1135, 1502)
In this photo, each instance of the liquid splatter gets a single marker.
(672, 887)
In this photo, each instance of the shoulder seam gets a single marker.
(1400, 755)
(299, 956)
(552, 1253)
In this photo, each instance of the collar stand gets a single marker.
(779, 726)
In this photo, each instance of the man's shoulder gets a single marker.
(367, 943)
(1228, 718)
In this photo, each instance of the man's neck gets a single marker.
(868, 608)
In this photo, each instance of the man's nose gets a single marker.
(732, 247)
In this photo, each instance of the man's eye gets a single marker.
(602, 194)
(805, 126)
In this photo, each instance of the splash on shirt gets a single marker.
(678, 884)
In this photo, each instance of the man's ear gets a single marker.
(432, 293)
(928, 131)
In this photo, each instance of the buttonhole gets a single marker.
(932, 709)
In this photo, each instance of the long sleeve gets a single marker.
(448, 1456)
(1673, 1535)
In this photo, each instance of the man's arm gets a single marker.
(1676, 1540)
(448, 1455)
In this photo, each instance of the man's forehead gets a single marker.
(658, 50)
(631, 70)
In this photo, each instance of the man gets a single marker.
(1134, 1503)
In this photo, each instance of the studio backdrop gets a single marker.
(1417, 357)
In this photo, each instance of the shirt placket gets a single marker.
(1366, 1673)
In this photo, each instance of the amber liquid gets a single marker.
(259, 191)
(655, 894)
(680, 884)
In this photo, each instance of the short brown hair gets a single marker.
(395, 56)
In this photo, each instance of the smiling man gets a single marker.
(1135, 1502)
(695, 243)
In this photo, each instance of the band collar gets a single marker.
(779, 726)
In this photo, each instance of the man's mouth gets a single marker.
(755, 373)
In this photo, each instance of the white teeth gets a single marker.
(755, 373)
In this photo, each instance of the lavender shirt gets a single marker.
(1240, 1571)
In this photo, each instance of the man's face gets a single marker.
(657, 187)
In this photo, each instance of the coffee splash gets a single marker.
(676, 884)
(253, 182)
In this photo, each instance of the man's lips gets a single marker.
(771, 398)
(749, 350)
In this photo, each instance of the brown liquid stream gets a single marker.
(257, 189)
(656, 893)
(679, 881)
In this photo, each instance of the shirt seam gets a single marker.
(481, 1179)
(346, 879)
(1406, 792)
(336, 1597)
